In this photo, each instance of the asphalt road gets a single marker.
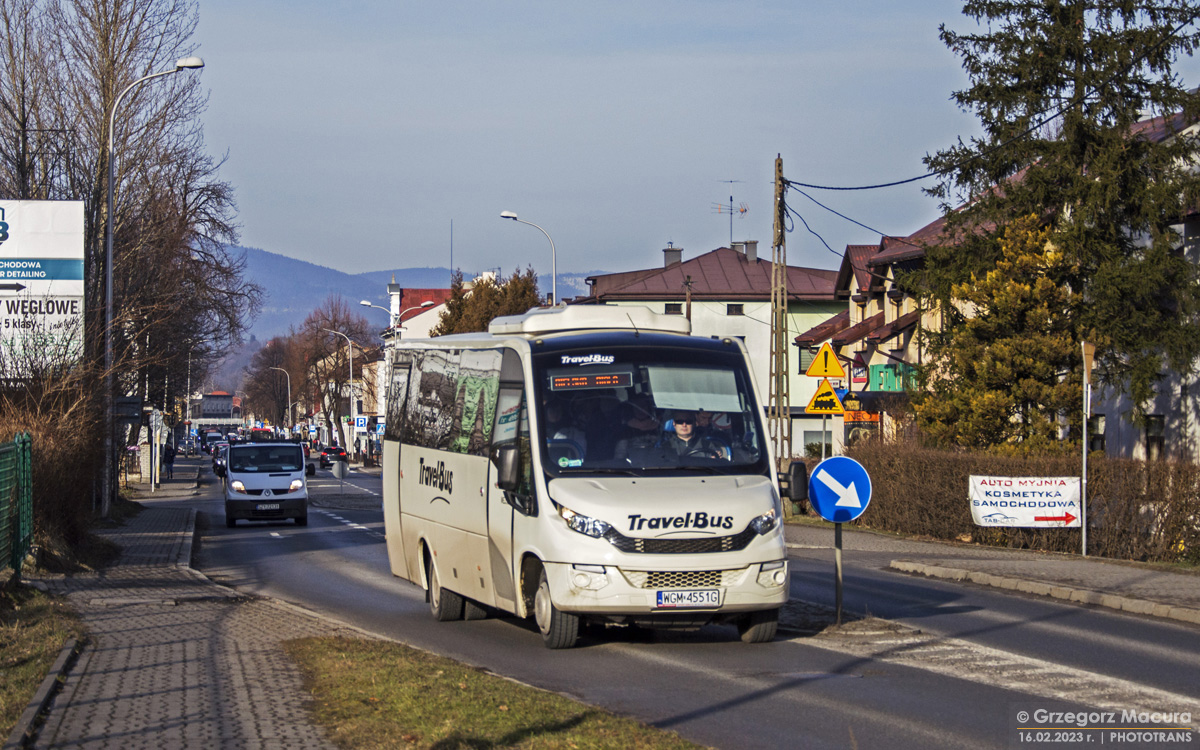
(957, 672)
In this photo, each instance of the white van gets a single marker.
(554, 467)
(265, 482)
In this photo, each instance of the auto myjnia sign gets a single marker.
(1028, 502)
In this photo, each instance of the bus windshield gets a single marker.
(645, 410)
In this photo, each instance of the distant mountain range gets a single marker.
(294, 288)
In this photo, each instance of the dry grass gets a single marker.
(33, 629)
(376, 694)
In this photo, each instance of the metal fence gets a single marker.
(16, 500)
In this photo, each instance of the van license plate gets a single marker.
(267, 506)
(693, 598)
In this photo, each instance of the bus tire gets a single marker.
(444, 604)
(473, 610)
(559, 629)
(759, 627)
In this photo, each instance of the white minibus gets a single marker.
(584, 464)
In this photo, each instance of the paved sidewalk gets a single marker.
(174, 660)
(1131, 587)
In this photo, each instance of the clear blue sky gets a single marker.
(357, 132)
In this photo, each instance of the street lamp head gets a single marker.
(427, 303)
(365, 303)
(189, 62)
(508, 215)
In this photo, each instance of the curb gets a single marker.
(25, 731)
(1055, 591)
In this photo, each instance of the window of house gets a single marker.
(673, 308)
(806, 358)
(1095, 430)
(732, 309)
(1155, 433)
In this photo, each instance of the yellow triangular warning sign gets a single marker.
(825, 401)
(826, 364)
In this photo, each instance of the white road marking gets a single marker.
(350, 524)
(1025, 674)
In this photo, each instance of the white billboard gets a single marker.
(41, 283)
(1030, 502)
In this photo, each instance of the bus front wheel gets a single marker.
(559, 629)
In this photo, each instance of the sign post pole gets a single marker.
(837, 566)
(1089, 354)
(839, 489)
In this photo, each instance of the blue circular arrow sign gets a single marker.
(839, 489)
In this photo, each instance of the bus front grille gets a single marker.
(682, 579)
(675, 546)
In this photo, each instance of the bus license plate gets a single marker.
(267, 506)
(693, 598)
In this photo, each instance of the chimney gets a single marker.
(672, 255)
(751, 250)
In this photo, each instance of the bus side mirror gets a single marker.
(508, 473)
(797, 481)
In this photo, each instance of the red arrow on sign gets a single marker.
(1068, 518)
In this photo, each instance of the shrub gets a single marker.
(1135, 510)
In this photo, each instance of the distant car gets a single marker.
(219, 451)
(331, 453)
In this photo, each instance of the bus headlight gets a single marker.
(237, 486)
(764, 523)
(586, 525)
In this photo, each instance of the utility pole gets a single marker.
(780, 416)
(687, 283)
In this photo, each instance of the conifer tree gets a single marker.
(471, 309)
(1065, 92)
(1000, 381)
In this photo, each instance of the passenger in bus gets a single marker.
(559, 426)
(639, 430)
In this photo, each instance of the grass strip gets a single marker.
(33, 628)
(375, 694)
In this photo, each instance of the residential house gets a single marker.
(878, 334)
(727, 292)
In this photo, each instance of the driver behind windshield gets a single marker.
(686, 440)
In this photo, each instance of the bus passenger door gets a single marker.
(512, 429)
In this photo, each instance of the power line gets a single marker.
(1079, 98)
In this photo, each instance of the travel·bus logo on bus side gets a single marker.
(437, 477)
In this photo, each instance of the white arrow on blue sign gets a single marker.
(839, 489)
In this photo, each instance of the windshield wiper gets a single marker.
(599, 470)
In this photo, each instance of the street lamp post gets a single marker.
(353, 406)
(395, 322)
(289, 409)
(183, 63)
(553, 257)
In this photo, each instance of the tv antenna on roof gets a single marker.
(729, 208)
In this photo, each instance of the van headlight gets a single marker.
(586, 525)
(764, 523)
(237, 486)
(296, 485)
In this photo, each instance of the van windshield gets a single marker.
(647, 410)
(265, 458)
